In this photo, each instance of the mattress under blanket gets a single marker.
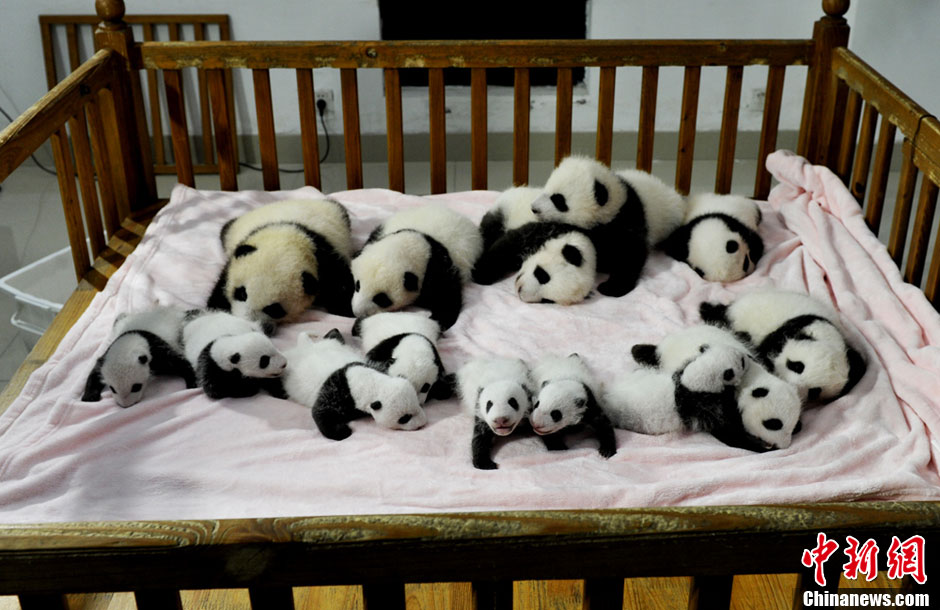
(179, 455)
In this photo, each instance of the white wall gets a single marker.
(21, 83)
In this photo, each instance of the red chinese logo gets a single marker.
(819, 555)
(862, 559)
(907, 558)
(904, 558)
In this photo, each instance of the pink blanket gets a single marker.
(178, 455)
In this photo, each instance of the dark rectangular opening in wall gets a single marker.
(484, 20)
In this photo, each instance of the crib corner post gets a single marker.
(819, 102)
(133, 141)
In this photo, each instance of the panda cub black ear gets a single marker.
(411, 282)
(645, 353)
(335, 335)
(311, 284)
(572, 255)
(244, 250)
(600, 193)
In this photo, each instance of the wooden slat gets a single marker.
(394, 131)
(383, 596)
(48, 52)
(769, 125)
(879, 179)
(853, 113)
(65, 174)
(351, 134)
(199, 33)
(605, 115)
(308, 127)
(687, 121)
(81, 148)
(646, 130)
(710, 592)
(267, 140)
(564, 98)
(275, 598)
(156, 117)
(179, 129)
(475, 53)
(478, 129)
(932, 285)
(438, 130)
(114, 145)
(920, 238)
(907, 182)
(174, 31)
(225, 33)
(99, 148)
(866, 138)
(729, 129)
(165, 599)
(603, 593)
(224, 136)
(839, 94)
(71, 36)
(520, 127)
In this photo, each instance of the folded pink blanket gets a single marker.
(179, 455)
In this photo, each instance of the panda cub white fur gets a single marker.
(232, 356)
(282, 258)
(402, 344)
(719, 238)
(626, 214)
(418, 256)
(761, 413)
(338, 385)
(797, 337)
(498, 392)
(566, 402)
(142, 345)
(512, 209)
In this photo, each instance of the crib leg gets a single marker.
(603, 594)
(383, 597)
(493, 595)
(711, 592)
(43, 602)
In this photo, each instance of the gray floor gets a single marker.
(32, 224)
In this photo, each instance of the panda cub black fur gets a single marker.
(797, 337)
(232, 357)
(143, 345)
(403, 344)
(512, 209)
(420, 256)
(626, 213)
(566, 403)
(338, 385)
(284, 257)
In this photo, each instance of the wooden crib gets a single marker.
(98, 130)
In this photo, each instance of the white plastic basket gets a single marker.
(40, 289)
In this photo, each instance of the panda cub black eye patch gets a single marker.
(244, 250)
(773, 424)
(699, 271)
(514, 404)
(489, 405)
(600, 193)
(814, 393)
(357, 286)
(382, 300)
(404, 419)
(541, 275)
(411, 282)
(240, 294)
(732, 246)
(136, 387)
(556, 415)
(142, 359)
(264, 361)
(234, 358)
(572, 255)
(310, 282)
(796, 366)
(760, 392)
(559, 200)
(376, 406)
(275, 310)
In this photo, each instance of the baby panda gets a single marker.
(232, 356)
(419, 256)
(338, 385)
(766, 409)
(282, 258)
(566, 402)
(796, 337)
(626, 214)
(513, 208)
(402, 344)
(498, 391)
(556, 262)
(143, 345)
(719, 238)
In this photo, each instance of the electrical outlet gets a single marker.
(327, 96)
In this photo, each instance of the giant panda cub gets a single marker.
(767, 408)
(719, 238)
(282, 258)
(566, 402)
(556, 262)
(498, 392)
(402, 344)
(339, 386)
(797, 337)
(232, 356)
(419, 256)
(143, 345)
(626, 214)
(512, 209)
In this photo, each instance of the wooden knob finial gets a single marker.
(111, 11)
(835, 8)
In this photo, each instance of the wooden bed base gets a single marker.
(96, 123)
